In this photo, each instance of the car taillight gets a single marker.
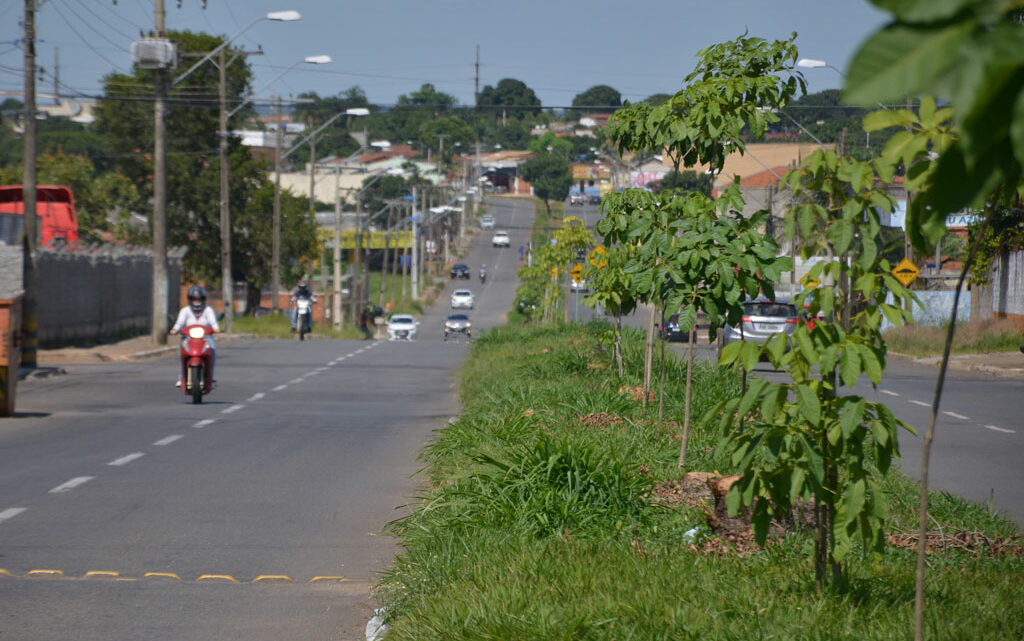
(746, 319)
(792, 321)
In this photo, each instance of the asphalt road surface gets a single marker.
(128, 513)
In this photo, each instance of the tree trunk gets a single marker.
(922, 531)
(661, 382)
(649, 355)
(252, 299)
(618, 345)
(689, 391)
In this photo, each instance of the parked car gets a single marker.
(670, 330)
(458, 324)
(402, 327)
(462, 298)
(577, 198)
(501, 239)
(460, 270)
(594, 199)
(762, 319)
(487, 222)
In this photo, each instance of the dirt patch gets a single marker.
(602, 420)
(975, 543)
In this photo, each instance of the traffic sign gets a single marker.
(599, 257)
(577, 271)
(807, 281)
(905, 272)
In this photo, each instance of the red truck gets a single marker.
(55, 207)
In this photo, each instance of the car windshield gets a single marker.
(460, 266)
(401, 319)
(458, 317)
(767, 308)
(462, 292)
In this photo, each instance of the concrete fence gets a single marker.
(91, 292)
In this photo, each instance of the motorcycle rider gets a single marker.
(303, 291)
(197, 312)
(483, 273)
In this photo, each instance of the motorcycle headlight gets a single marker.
(196, 332)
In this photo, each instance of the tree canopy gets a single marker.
(599, 98)
(549, 174)
(510, 95)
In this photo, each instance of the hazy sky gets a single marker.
(559, 48)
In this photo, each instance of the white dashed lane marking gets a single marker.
(885, 391)
(232, 409)
(169, 439)
(10, 513)
(204, 423)
(1000, 429)
(921, 403)
(955, 415)
(125, 460)
(279, 388)
(72, 484)
(257, 396)
(295, 380)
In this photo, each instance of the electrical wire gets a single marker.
(86, 41)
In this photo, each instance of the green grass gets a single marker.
(534, 523)
(969, 338)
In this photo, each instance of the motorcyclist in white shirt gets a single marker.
(197, 312)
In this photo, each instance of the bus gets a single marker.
(55, 207)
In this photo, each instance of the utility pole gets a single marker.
(30, 321)
(275, 260)
(227, 282)
(336, 298)
(56, 75)
(415, 264)
(476, 79)
(159, 323)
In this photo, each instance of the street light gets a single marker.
(159, 321)
(275, 266)
(351, 111)
(812, 63)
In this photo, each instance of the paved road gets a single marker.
(128, 513)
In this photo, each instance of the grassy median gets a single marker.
(547, 514)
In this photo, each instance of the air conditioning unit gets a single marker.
(154, 53)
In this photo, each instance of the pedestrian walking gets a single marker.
(522, 250)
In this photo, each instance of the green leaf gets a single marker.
(902, 60)
(730, 353)
(750, 353)
(872, 366)
(852, 417)
(849, 367)
(885, 118)
(796, 484)
(733, 499)
(808, 402)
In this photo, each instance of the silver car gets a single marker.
(763, 319)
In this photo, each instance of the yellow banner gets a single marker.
(370, 240)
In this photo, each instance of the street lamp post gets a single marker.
(160, 179)
(275, 267)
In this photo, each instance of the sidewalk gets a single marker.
(1002, 364)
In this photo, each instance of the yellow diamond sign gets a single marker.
(577, 271)
(905, 272)
(809, 282)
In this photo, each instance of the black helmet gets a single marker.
(197, 298)
(302, 284)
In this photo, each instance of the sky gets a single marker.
(559, 48)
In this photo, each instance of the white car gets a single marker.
(402, 327)
(501, 239)
(462, 299)
(487, 222)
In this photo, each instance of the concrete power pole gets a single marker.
(476, 79)
(159, 322)
(28, 185)
(275, 265)
(227, 283)
(414, 267)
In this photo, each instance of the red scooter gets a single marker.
(196, 377)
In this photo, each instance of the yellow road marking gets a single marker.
(102, 574)
(4, 572)
(273, 578)
(42, 573)
(216, 577)
(161, 575)
(328, 579)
